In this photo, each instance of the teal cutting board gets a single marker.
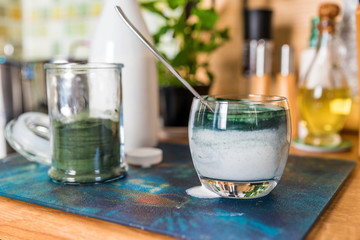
(154, 199)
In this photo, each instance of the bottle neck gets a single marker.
(327, 25)
(324, 39)
(326, 31)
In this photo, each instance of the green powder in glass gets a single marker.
(90, 146)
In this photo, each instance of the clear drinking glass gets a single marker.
(84, 125)
(240, 149)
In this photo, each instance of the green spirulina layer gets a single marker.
(89, 147)
(242, 117)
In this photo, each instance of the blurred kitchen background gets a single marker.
(33, 32)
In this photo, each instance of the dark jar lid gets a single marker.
(257, 24)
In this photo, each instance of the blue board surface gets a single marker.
(154, 199)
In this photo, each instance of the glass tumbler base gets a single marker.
(241, 190)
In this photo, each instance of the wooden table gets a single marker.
(20, 220)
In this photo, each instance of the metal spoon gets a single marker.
(159, 56)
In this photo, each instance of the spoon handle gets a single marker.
(158, 55)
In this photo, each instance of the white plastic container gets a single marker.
(114, 42)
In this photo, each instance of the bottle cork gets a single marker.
(328, 12)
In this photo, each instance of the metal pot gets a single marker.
(34, 87)
(11, 101)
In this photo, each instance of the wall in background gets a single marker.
(10, 25)
(54, 27)
(42, 29)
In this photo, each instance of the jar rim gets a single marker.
(85, 65)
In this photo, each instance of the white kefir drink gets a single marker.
(239, 150)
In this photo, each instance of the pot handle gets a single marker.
(29, 135)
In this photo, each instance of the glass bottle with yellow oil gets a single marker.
(324, 96)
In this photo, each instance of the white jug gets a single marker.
(113, 42)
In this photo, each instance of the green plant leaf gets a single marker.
(181, 59)
(207, 17)
(189, 37)
(224, 34)
(173, 4)
(180, 26)
(151, 7)
(210, 76)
